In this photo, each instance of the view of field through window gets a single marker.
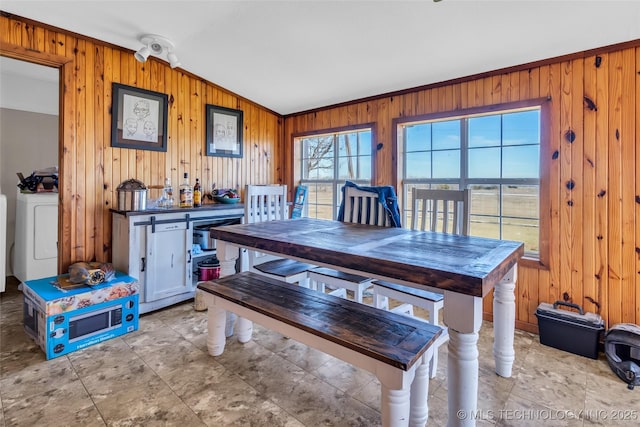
(495, 156)
(327, 162)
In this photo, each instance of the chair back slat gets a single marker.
(362, 207)
(265, 203)
(452, 216)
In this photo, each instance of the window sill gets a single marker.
(532, 263)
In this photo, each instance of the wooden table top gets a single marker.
(463, 264)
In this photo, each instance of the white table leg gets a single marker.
(504, 320)
(215, 329)
(227, 254)
(462, 378)
(463, 316)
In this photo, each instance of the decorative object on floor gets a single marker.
(622, 348)
(577, 333)
(158, 46)
(138, 118)
(224, 131)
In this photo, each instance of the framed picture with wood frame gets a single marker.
(224, 131)
(138, 118)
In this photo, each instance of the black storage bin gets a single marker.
(577, 333)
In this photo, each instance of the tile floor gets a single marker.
(162, 375)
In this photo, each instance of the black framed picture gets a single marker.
(138, 118)
(224, 131)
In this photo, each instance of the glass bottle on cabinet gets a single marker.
(186, 193)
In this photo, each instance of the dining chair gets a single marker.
(445, 211)
(361, 206)
(269, 203)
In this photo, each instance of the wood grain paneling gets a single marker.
(593, 229)
(591, 184)
(90, 170)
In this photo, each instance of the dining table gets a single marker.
(465, 269)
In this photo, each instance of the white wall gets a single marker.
(28, 87)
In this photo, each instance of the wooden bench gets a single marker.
(431, 301)
(395, 348)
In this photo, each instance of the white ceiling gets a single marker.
(292, 56)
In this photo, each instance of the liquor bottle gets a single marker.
(197, 194)
(186, 193)
(167, 194)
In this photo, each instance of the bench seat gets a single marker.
(433, 302)
(396, 348)
(419, 293)
(339, 281)
(283, 267)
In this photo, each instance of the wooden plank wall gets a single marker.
(594, 236)
(90, 170)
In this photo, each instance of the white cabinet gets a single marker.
(156, 248)
(168, 259)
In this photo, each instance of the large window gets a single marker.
(327, 161)
(495, 155)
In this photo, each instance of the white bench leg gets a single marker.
(380, 301)
(434, 310)
(216, 330)
(395, 407)
(244, 329)
(419, 412)
(304, 282)
(504, 313)
(404, 394)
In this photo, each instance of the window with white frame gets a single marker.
(496, 155)
(327, 161)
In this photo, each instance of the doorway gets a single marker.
(29, 137)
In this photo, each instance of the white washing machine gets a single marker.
(36, 239)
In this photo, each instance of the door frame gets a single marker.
(63, 64)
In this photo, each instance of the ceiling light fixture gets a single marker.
(157, 46)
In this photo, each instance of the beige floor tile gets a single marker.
(66, 405)
(151, 404)
(316, 403)
(163, 375)
(36, 379)
(520, 411)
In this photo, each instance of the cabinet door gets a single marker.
(168, 260)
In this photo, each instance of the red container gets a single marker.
(208, 269)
